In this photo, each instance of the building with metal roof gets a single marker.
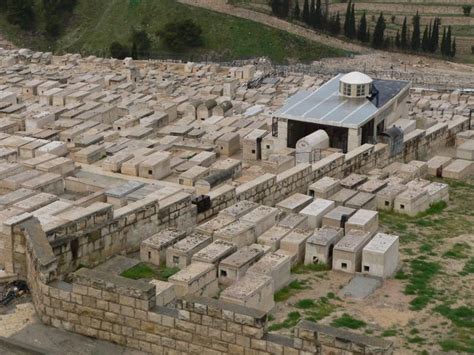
(352, 108)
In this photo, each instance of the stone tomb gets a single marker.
(337, 217)
(459, 169)
(197, 279)
(239, 209)
(412, 201)
(342, 196)
(324, 187)
(273, 236)
(213, 225)
(215, 252)
(316, 210)
(466, 150)
(364, 200)
(347, 254)
(380, 256)
(263, 218)
(295, 243)
(235, 266)
(181, 253)
(437, 191)
(385, 198)
(165, 292)
(363, 220)
(437, 164)
(320, 245)
(277, 266)
(295, 203)
(239, 233)
(353, 181)
(153, 249)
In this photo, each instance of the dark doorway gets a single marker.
(368, 132)
(331, 249)
(297, 130)
(74, 248)
(259, 148)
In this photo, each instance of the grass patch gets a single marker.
(462, 316)
(468, 267)
(290, 290)
(422, 272)
(147, 271)
(458, 251)
(416, 340)
(291, 320)
(346, 321)
(304, 269)
(389, 333)
(305, 303)
(457, 346)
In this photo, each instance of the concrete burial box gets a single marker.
(228, 144)
(13, 197)
(181, 253)
(293, 221)
(418, 183)
(60, 165)
(295, 203)
(466, 150)
(117, 195)
(35, 202)
(211, 226)
(239, 233)
(198, 279)
(252, 144)
(273, 236)
(277, 266)
(235, 266)
(215, 252)
(190, 176)
(239, 209)
(165, 292)
(153, 249)
(380, 256)
(414, 169)
(363, 220)
(90, 154)
(253, 291)
(320, 245)
(156, 166)
(437, 191)
(385, 198)
(437, 164)
(353, 181)
(337, 217)
(205, 159)
(364, 200)
(411, 201)
(347, 254)
(263, 218)
(316, 210)
(372, 186)
(49, 182)
(295, 243)
(342, 196)
(459, 169)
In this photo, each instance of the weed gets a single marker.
(389, 333)
(458, 251)
(305, 304)
(416, 340)
(468, 267)
(419, 282)
(139, 271)
(331, 295)
(288, 291)
(462, 316)
(271, 318)
(348, 322)
(453, 345)
(291, 320)
(303, 269)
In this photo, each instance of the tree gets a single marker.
(21, 13)
(404, 35)
(378, 35)
(453, 48)
(56, 14)
(337, 24)
(181, 34)
(306, 12)
(362, 33)
(397, 40)
(312, 14)
(118, 51)
(434, 38)
(280, 8)
(352, 23)
(466, 9)
(297, 11)
(347, 19)
(141, 44)
(443, 42)
(448, 42)
(416, 34)
(425, 40)
(318, 15)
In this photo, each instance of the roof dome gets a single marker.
(356, 78)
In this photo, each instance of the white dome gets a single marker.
(356, 78)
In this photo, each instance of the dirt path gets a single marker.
(222, 7)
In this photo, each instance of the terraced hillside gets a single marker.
(450, 12)
(96, 24)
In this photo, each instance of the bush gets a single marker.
(141, 44)
(467, 10)
(21, 13)
(182, 34)
(118, 51)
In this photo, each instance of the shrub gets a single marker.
(182, 34)
(348, 322)
(466, 9)
(118, 51)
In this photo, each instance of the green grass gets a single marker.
(304, 269)
(462, 316)
(389, 333)
(147, 271)
(458, 251)
(98, 23)
(419, 279)
(468, 267)
(346, 321)
(291, 320)
(290, 290)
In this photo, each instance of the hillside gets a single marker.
(96, 24)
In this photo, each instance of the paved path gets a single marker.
(271, 21)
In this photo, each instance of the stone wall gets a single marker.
(124, 311)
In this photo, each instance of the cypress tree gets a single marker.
(337, 24)
(434, 40)
(134, 53)
(352, 23)
(443, 42)
(306, 12)
(397, 40)
(415, 39)
(453, 48)
(378, 36)
(347, 19)
(362, 33)
(425, 40)
(318, 16)
(448, 42)
(296, 11)
(312, 14)
(404, 36)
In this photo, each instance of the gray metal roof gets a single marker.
(325, 106)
